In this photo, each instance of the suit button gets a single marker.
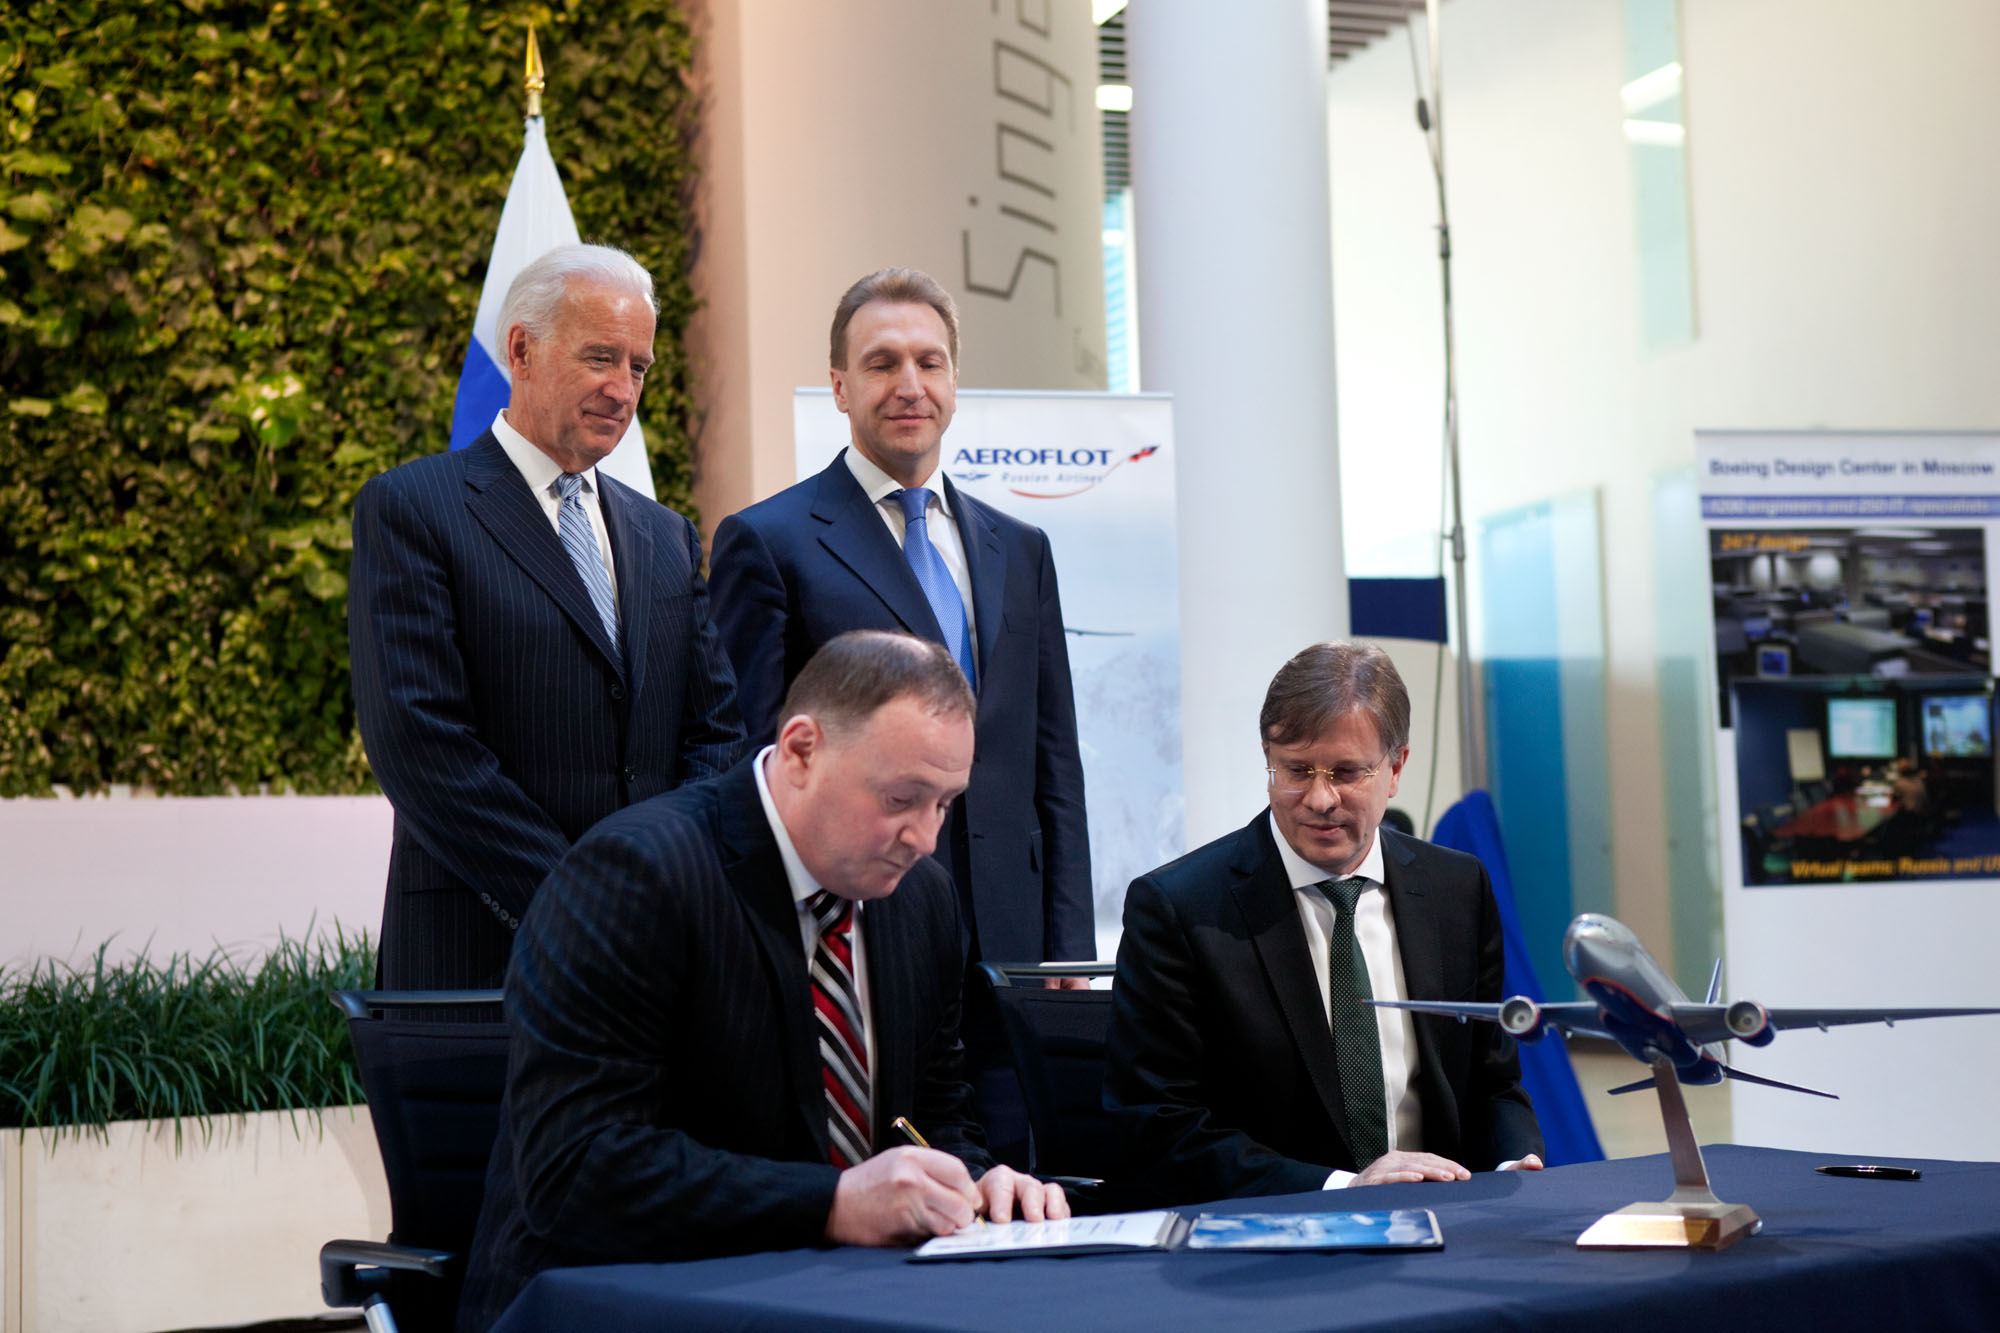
(630, 774)
(617, 692)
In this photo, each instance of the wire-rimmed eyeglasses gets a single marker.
(1293, 778)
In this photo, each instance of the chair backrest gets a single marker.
(1057, 1039)
(434, 1073)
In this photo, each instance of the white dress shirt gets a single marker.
(1375, 930)
(881, 487)
(804, 886)
(542, 474)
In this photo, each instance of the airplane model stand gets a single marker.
(1692, 1217)
(1634, 1003)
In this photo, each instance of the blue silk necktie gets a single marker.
(935, 579)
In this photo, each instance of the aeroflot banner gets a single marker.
(1096, 473)
(1853, 652)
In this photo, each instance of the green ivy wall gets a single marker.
(241, 246)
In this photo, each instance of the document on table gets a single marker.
(1111, 1234)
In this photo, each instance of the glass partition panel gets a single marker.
(1542, 604)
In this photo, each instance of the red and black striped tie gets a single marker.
(843, 1040)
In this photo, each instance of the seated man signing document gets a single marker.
(1244, 1058)
(722, 999)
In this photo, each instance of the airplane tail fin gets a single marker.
(1715, 982)
(1769, 1083)
(1640, 1086)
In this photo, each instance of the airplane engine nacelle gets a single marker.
(1749, 1022)
(1521, 1019)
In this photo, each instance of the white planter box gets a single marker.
(133, 1235)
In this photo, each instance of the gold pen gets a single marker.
(901, 1124)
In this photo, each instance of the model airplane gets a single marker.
(1636, 1004)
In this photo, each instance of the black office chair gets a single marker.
(1057, 1040)
(433, 1083)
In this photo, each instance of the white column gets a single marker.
(1235, 277)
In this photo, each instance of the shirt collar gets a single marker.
(879, 485)
(536, 468)
(803, 885)
(1303, 874)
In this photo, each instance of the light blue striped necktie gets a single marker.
(581, 543)
(939, 587)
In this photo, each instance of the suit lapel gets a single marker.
(1264, 895)
(635, 556)
(987, 566)
(855, 535)
(514, 518)
(888, 944)
(756, 871)
(1418, 945)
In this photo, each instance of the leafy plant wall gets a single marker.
(242, 246)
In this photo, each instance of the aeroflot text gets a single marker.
(1032, 458)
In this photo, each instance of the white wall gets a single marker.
(1844, 195)
(183, 875)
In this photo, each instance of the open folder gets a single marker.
(1115, 1233)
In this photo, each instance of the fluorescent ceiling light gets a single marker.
(1652, 88)
(1100, 10)
(1655, 133)
(1114, 97)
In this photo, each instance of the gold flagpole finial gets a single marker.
(537, 75)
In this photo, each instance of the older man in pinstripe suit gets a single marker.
(530, 640)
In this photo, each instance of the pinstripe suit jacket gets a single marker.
(496, 716)
(663, 1092)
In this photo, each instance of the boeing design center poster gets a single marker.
(1853, 652)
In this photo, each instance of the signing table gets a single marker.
(1834, 1254)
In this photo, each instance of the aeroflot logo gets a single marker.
(1045, 474)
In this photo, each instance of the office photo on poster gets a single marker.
(1852, 650)
(1882, 601)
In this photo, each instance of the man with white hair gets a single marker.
(530, 639)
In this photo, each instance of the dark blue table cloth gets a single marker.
(1834, 1254)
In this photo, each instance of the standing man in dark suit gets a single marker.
(724, 997)
(882, 540)
(530, 639)
(1243, 1055)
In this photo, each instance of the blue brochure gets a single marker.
(1388, 1229)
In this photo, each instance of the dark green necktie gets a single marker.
(1357, 1043)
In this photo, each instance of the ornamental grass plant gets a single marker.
(184, 1039)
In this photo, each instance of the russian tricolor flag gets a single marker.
(535, 220)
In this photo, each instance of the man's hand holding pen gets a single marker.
(903, 1196)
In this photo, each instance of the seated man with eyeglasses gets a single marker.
(1243, 1057)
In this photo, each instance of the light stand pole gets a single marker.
(1430, 116)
